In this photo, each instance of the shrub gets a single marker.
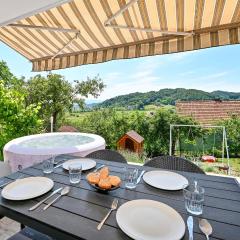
(112, 124)
(233, 134)
(16, 120)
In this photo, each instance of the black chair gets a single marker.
(30, 234)
(108, 155)
(174, 163)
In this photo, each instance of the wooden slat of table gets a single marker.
(92, 203)
(210, 213)
(67, 224)
(210, 192)
(209, 182)
(64, 180)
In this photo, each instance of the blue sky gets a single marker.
(208, 70)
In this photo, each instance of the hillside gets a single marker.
(166, 97)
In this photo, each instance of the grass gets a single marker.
(214, 167)
(207, 167)
(133, 157)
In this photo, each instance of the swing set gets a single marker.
(203, 157)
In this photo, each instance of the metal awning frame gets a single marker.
(64, 30)
(107, 23)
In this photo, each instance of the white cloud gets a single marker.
(141, 79)
(112, 77)
(150, 64)
(187, 73)
(174, 57)
(213, 76)
(151, 75)
(208, 82)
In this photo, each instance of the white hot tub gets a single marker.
(29, 150)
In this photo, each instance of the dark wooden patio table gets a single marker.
(77, 215)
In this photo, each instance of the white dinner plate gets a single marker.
(165, 180)
(150, 220)
(86, 163)
(27, 188)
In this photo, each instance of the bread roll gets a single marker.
(114, 180)
(104, 172)
(105, 183)
(93, 178)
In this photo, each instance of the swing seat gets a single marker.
(224, 168)
(208, 158)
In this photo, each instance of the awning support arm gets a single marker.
(151, 30)
(64, 30)
(107, 23)
(120, 11)
(66, 45)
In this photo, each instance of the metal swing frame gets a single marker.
(224, 138)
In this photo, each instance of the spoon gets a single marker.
(64, 192)
(195, 186)
(205, 227)
(190, 227)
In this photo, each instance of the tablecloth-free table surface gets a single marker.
(77, 215)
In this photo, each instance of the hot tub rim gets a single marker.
(12, 146)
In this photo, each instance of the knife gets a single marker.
(45, 199)
(140, 176)
(190, 227)
(59, 165)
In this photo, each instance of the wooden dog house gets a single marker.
(131, 141)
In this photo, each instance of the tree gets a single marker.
(83, 89)
(8, 79)
(16, 120)
(155, 130)
(53, 92)
(108, 123)
(57, 95)
(112, 124)
(233, 135)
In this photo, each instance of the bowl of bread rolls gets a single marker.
(103, 181)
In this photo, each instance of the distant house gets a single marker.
(209, 111)
(130, 107)
(67, 129)
(131, 141)
(75, 107)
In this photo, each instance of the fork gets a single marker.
(113, 207)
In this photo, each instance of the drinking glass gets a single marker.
(194, 198)
(18, 174)
(75, 172)
(131, 176)
(48, 165)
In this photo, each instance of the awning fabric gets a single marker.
(13, 10)
(213, 23)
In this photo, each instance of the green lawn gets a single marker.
(207, 167)
(214, 167)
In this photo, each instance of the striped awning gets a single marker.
(94, 31)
